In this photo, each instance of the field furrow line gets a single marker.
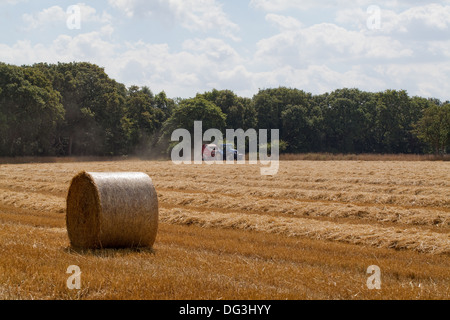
(33, 201)
(319, 210)
(42, 190)
(335, 186)
(228, 192)
(31, 220)
(343, 197)
(376, 236)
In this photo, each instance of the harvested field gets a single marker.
(226, 232)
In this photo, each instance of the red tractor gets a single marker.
(225, 152)
(209, 152)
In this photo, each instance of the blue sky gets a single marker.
(188, 46)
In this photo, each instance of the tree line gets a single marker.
(76, 109)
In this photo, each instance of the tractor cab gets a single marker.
(228, 152)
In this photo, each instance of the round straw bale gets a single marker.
(112, 210)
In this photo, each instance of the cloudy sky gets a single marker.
(188, 46)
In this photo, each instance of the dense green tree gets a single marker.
(434, 128)
(349, 120)
(195, 109)
(297, 126)
(275, 107)
(30, 110)
(141, 113)
(270, 104)
(76, 109)
(145, 117)
(95, 110)
(240, 112)
(164, 104)
(396, 116)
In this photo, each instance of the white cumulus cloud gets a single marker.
(193, 15)
(283, 5)
(56, 15)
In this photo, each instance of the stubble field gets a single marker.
(226, 232)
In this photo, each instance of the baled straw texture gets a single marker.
(112, 210)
